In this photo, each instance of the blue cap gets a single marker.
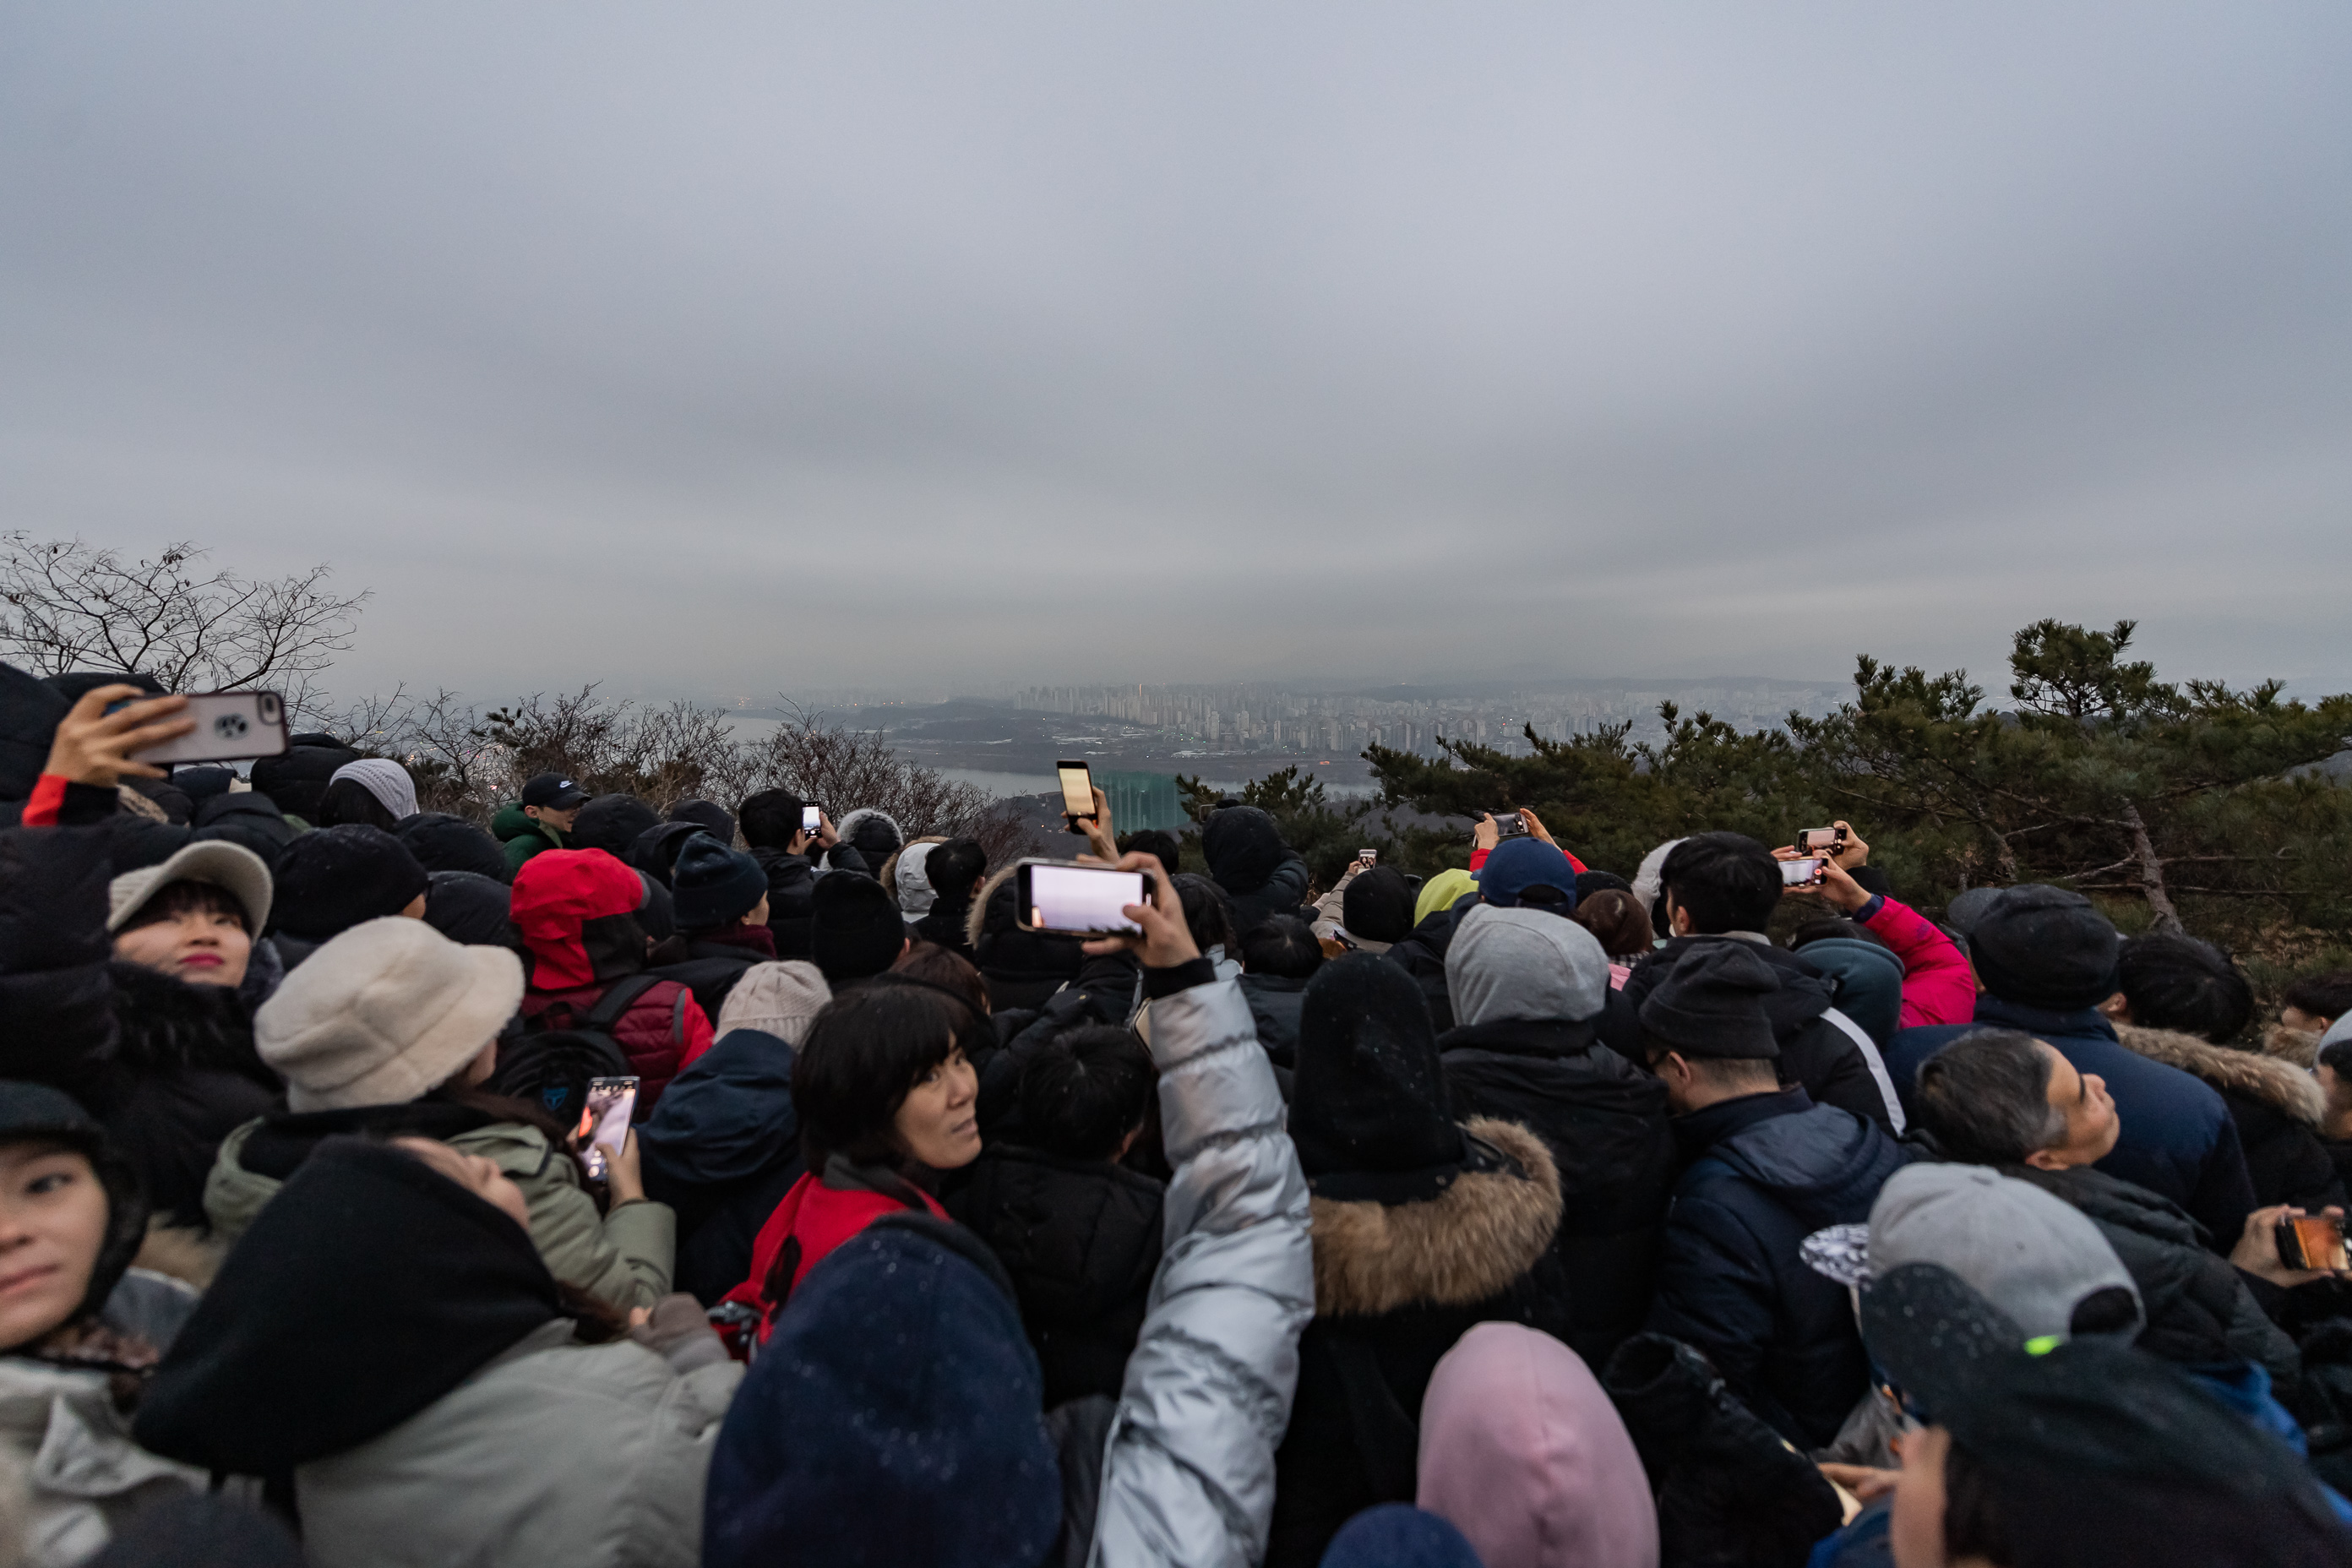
(1517, 864)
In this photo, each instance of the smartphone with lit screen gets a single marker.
(611, 1101)
(1803, 872)
(1064, 898)
(1077, 791)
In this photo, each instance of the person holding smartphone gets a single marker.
(775, 824)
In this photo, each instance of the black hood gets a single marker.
(1242, 847)
(366, 1289)
(1078, 1236)
(1007, 953)
(32, 1110)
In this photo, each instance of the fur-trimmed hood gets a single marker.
(1461, 1247)
(2300, 1046)
(166, 1023)
(2275, 1080)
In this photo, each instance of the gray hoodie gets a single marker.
(1524, 963)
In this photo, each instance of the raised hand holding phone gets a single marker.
(93, 746)
(1164, 940)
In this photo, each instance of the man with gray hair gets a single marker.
(1999, 1096)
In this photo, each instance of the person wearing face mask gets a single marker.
(387, 1338)
(76, 1338)
(886, 1099)
(133, 994)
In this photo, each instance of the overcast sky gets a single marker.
(713, 349)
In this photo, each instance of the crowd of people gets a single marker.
(1530, 1215)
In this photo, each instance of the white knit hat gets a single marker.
(779, 999)
(385, 1012)
(385, 779)
(232, 868)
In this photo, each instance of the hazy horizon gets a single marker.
(736, 349)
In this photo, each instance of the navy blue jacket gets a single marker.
(1770, 1170)
(2178, 1140)
(722, 1148)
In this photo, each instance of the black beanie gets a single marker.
(1369, 1110)
(712, 818)
(2045, 947)
(471, 909)
(30, 1110)
(1710, 1004)
(445, 843)
(854, 928)
(612, 822)
(332, 879)
(712, 885)
(1378, 905)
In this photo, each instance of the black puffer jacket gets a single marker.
(169, 1067)
(1081, 1239)
(1260, 875)
(1098, 993)
(2199, 1311)
(1605, 1121)
(1767, 1170)
(1423, 956)
(1814, 1052)
(1022, 968)
(2277, 1107)
(792, 888)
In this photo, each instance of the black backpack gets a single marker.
(550, 1067)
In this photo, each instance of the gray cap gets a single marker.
(232, 868)
(1524, 963)
(2033, 1255)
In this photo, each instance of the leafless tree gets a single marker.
(841, 769)
(67, 605)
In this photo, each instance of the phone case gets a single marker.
(231, 726)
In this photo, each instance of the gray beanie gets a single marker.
(1524, 963)
(2035, 1256)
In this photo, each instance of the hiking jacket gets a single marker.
(522, 837)
(1604, 1121)
(1395, 1286)
(2178, 1140)
(168, 1067)
(622, 1258)
(816, 1216)
(1831, 1057)
(1081, 1240)
(1767, 1170)
(1188, 1474)
(1938, 987)
(792, 886)
(722, 1151)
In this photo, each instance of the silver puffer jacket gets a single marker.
(1188, 1472)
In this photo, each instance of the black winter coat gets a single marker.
(1022, 968)
(1814, 1052)
(1767, 1170)
(169, 1067)
(2199, 1312)
(945, 926)
(1098, 994)
(1423, 956)
(1274, 1003)
(792, 893)
(721, 1149)
(1395, 1285)
(1260, 875)
(1606, 1122)
(1081, 1239)
(2276, 1106)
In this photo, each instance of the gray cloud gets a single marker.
(720, 349)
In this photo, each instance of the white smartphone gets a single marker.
(231, 726)
(611, 1101)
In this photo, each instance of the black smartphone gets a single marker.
(611, 1102)
(1077, 792)
(2312, 1241)
(231, 726)
(1819, 840)
(1065, 899)
(1803, 872)
(1510, 824)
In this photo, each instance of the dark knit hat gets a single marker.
(854, 928)
(2045, 947)
(1590, 882)
(656, 851)
(612, 822)
(471, 909)
(1369, 1112)
(709, 815)
(331, 880)
(30, 1110)
(445, 843)
(712, 885)
(1710, 1004)
(248, 817)
(1378, 905)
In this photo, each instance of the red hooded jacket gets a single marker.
(576, 909)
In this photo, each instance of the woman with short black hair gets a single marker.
(886, 1099)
